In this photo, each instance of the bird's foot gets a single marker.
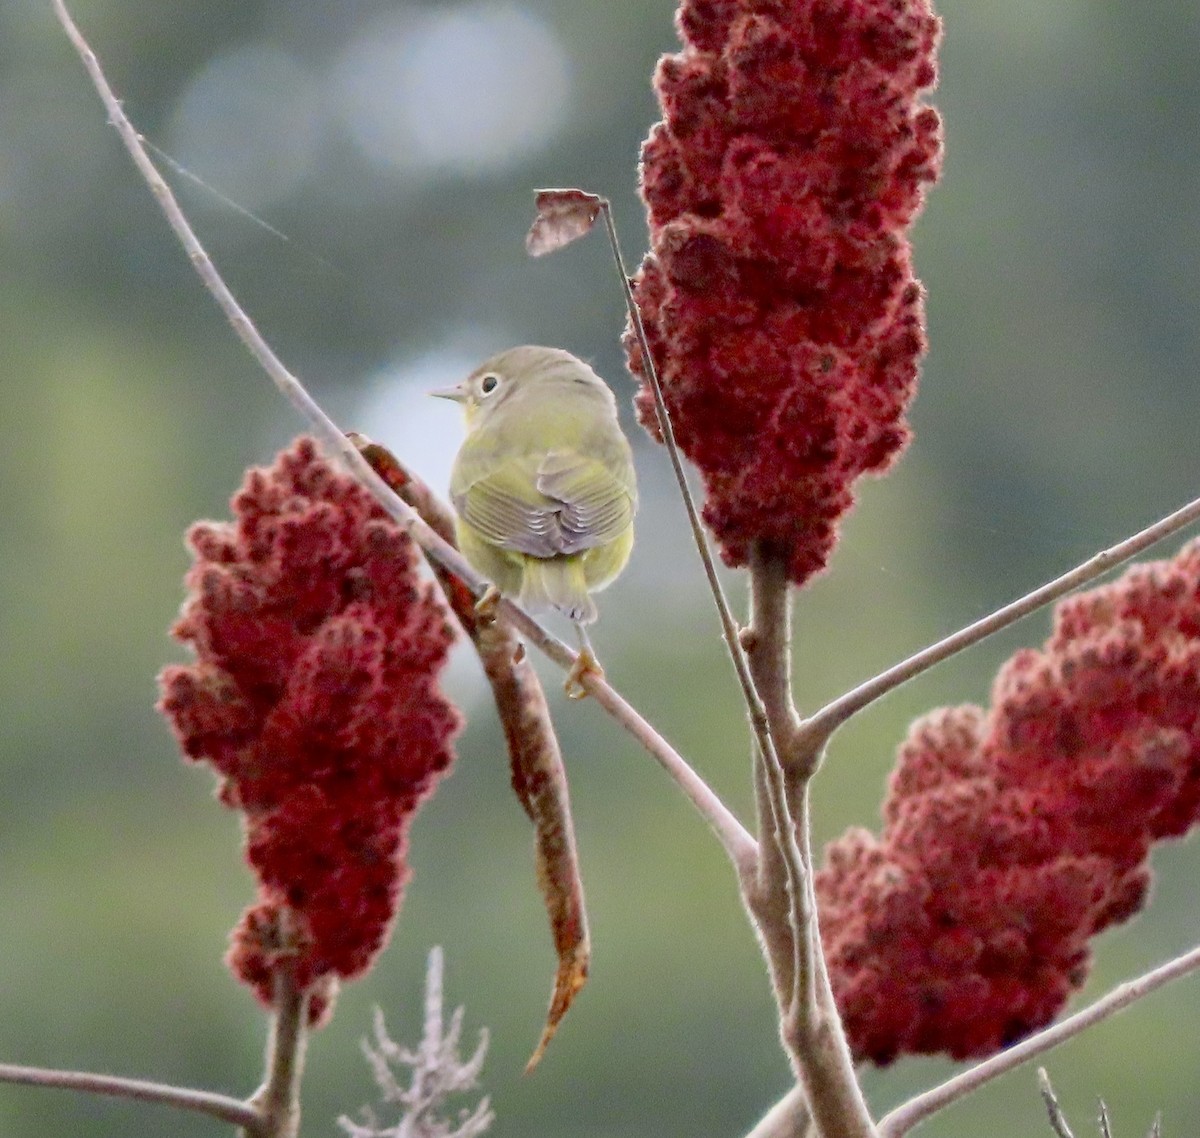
(585, 664)
(487, 605)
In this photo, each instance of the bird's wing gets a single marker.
(596, 502)
(561, 504)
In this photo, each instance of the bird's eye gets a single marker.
(489, 383)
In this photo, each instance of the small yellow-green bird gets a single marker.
(543, 484)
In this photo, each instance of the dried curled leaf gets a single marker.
(538, 775)
(563, 216)
(539, 780)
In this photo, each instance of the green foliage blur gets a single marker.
(397, 145)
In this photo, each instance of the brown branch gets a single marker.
(738, 844)
(223, 1108)
(811, 1026)
(912, 1113)
(819, 727)
(780, 902)
(272, 1112)
(277, 1101)
(781, 899)
(768, 646)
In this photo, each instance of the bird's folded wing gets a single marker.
(563, 504)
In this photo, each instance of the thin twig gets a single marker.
(823, 724)
(1058, 1120)
(1105, 1124)
(223, 1108)
(826, 1071)
(811, 1024)
(277, 1101)
(1156, 1126)
(740, 847)
(738, 844)
(783, 876)
(788, 1118)
(729, 628)
(909, 1115)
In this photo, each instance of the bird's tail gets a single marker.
(557, 583)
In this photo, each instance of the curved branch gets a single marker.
(825, 722)
(912, 1113)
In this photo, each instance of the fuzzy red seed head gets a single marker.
(1012, 837)
(314, 696)
(778, 297)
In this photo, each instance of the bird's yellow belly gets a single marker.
(506, 569)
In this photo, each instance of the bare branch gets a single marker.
(909, 1115)
(811, 1025)
(823, 724)
(277, 1101)
(781, 899)
(223, 1108)
(768, 646)
(738, 844)
(788, 1118)
(1105, 1127)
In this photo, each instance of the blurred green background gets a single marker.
(397, 145)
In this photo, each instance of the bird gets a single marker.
(543, 486)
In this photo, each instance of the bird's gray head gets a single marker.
(506, 374)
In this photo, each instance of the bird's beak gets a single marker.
(458, 393)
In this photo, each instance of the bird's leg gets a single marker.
(585, 662)
(486, 605)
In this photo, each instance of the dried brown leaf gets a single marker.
(538, 776)
(540, 782)
(563, 216)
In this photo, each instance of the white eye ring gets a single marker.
(489, 383)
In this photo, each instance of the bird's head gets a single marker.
(503, 377)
